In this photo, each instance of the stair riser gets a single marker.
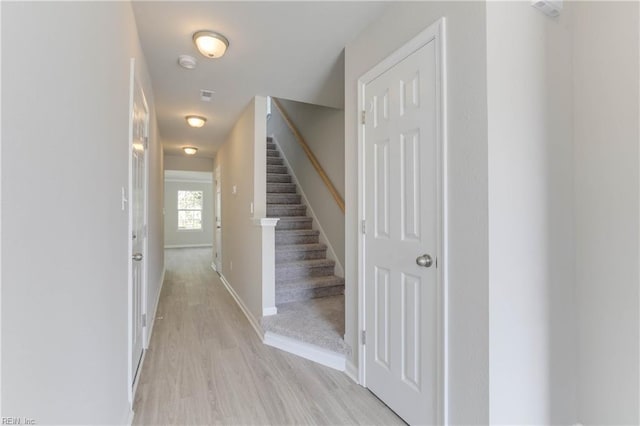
(279, 211)
(273, 153)
(307, 293)
(278, 178)
(296, 239)
(284, 199)
(271, 146)
(297, 224)
(292, 256)
(280, 188)
(301, 272)
(276, 169)
(273, 161)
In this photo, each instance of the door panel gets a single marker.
(138, 221)
(400, 200)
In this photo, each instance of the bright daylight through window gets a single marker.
(190, 210)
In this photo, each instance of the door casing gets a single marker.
(435, 32)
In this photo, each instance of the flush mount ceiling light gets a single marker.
(210, 44)
(190, 150)
(195, 120)
(187, 61)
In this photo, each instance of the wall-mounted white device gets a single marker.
(548, 7)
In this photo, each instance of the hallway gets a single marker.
(205, 364)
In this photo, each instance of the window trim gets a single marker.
(178, 210)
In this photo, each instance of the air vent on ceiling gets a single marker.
(206, 95)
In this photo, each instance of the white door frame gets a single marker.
(133, 83)
(435, 32)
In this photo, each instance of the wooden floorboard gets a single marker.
(206, 365)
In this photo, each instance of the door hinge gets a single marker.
(363, 337)
(363, 117)
(146, 142)
(364, 226)
(144, 320)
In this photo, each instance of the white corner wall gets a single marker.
(242, 163)
(606, 117)
(531, 254)
(323, 130)
(64, 280)
(468, 372)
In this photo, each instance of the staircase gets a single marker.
(303, 271)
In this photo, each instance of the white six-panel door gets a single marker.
(138, 220)
(402, 235)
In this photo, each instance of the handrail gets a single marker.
(314, 161)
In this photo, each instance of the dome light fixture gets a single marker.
(195, 120)
(190, 150)
(210, 44)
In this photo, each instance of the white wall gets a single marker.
(606, 112)
(242, 162)
(155, 247)
(194, 164)
(64, 161)
(323, 130)
(175, 237)
(468, 244)
(532, 314)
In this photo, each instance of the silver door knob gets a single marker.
(424, 261)
(137, 257)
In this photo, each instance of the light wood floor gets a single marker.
(205, 364)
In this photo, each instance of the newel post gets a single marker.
(268, 226)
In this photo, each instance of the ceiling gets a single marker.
(291, 50)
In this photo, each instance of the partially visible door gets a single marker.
(138, 214)
(218, 214)
(402, 236)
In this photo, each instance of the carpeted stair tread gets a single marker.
(275, 161)
(278, 178)
(297, 232)
(277, 210)
(297, 247)
(292, 253)
(273, 153)
(313, 282)
(281, 187)
(276, 169)
(294, 222)
(313, 263)
(317, 321)
(283, 198)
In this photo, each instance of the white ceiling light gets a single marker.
(210, 44)
(188, 62)
(195, 120)
(190, 150)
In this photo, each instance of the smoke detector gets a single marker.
(187, 62)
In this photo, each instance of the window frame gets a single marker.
(178, 209)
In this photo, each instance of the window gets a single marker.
(190, 210)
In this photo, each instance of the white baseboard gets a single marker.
(152, 316)
(213, 266)
(172, 246)
(269, 311)
(247, 313)
(306, 350)
(351, 371)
